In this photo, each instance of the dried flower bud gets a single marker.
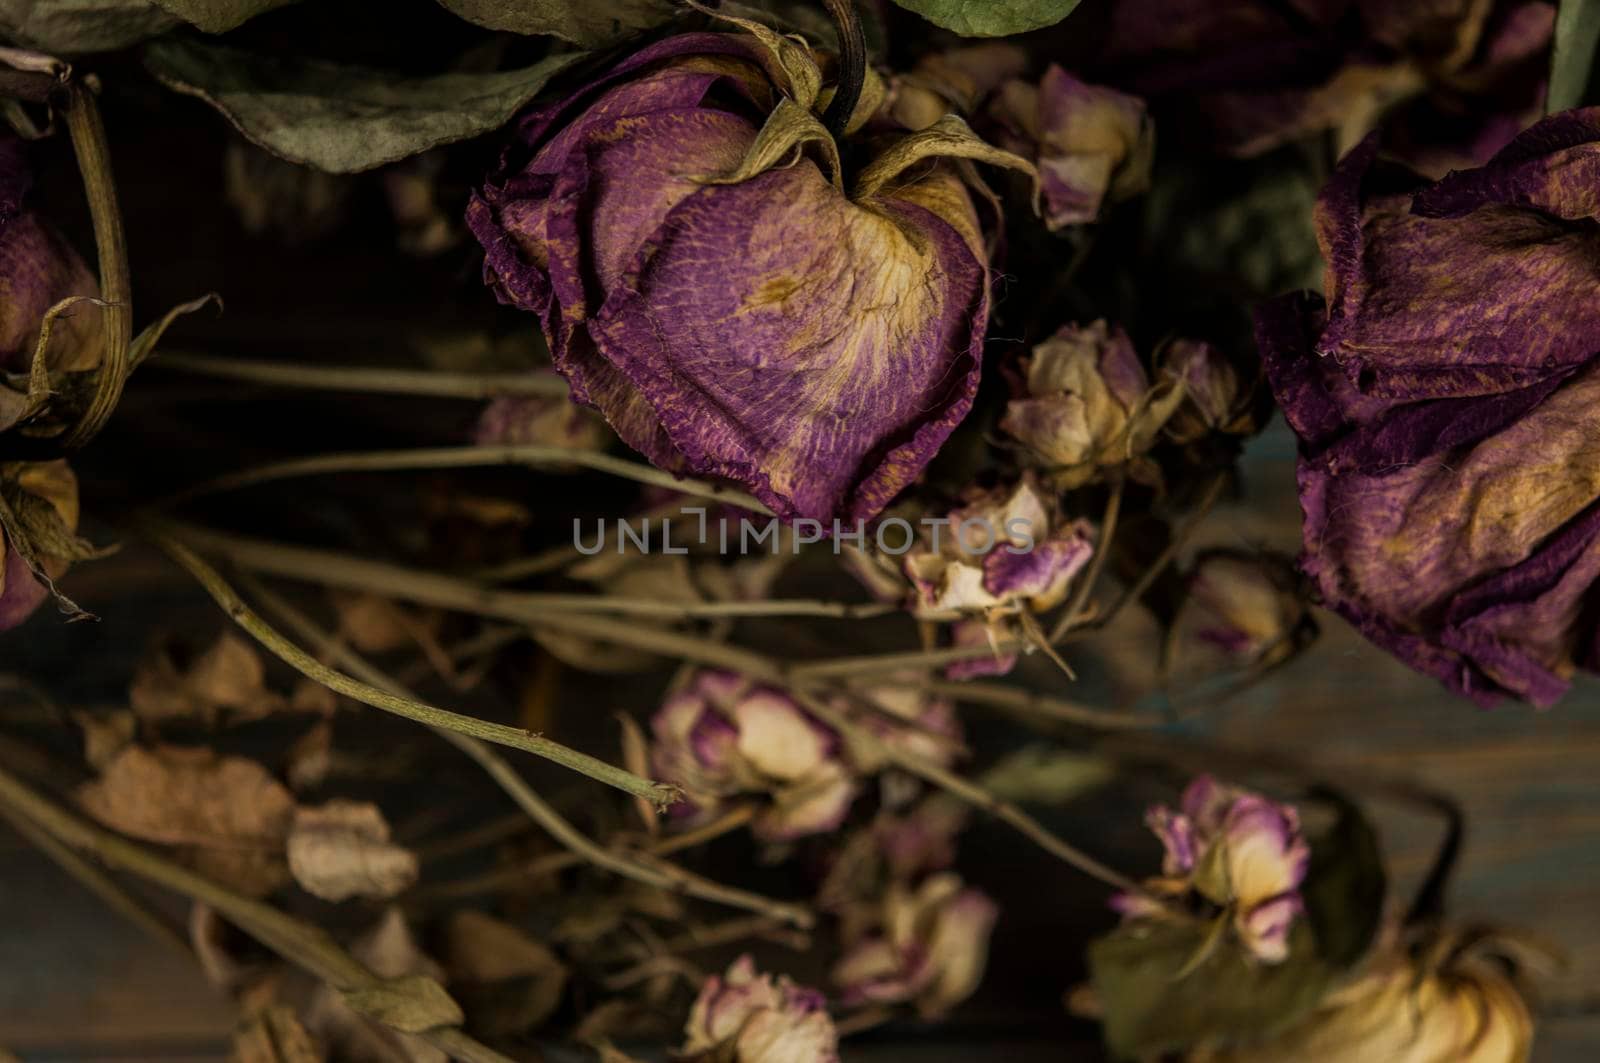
(1093, 146)
(745, 1017)
(927, 946)
(998, 555)
(908, 719)
(959, 81)
(1405, 1010)
(37, 270)
(1213, 400)
(1242, 611)
(43, 496)
(1239, 851)
(682, 230)
(1089, 405)
(721, 736)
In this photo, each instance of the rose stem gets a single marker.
(1097, 563)
(658, 873)
(969, 792)
(1038, 705)
(296, 658)
(852, 65)
(551, 863)
(555, 458)
(353, 573)
(306, 945)
(94, 163)
(369, 380)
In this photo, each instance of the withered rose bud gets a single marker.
(1003, 554)
(1242, 610)
(1089, 405)
(908, 719)
(722, 736)
(1444, 396)
(1093, 146)
(1239, 851)
(731, 300)
(746, 1017)
(43, 498)
(926, 946)
(1214, 398)
(1406, 1010)
(37, 270)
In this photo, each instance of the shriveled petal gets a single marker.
(777, 737)
(1264, 929)
(823, 369)
(1266, 853)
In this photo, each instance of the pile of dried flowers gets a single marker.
(959, 339)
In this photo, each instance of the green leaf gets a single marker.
(1345, 886)
(78, 27)
(1153, 1007)
(411, 1004)
(991, 18)
(1577, 33)
(590, 23)
(344, 119)
(1045, 775)
(219, 16)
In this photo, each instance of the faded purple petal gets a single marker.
(1181, 849)
(826, 355)
(1449, 475)
(1265, 928)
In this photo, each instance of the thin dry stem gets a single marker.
(550, 459)
(967, 791)
(650, 871)
(302, 943)
(372, 381)
(455, 722)
(1026, 701)
(1078, 606)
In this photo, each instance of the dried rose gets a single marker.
(746, 1017)
(1443, 397)
(1242, 611)
(722, 736)
(1238, 850)
(1092, 145)
(38, 270)
(42, 497)
(1089, 405)
(1406, 1010)
(926, 946)
(905, 718)
(1250, 75)
(681, 227)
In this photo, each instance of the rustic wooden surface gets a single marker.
(78, 984)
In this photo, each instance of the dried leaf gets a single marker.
(344, 119)
(105, 735)
(507, 981)
(77, 27)
(342, 850)
(410, 1004)
(591, 23)
(311, 757)
(219, 16)
(1046, 775)
(230, 815)
(390, 952)
(274, 1036)
(228, 677)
